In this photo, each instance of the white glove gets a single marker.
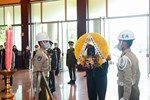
(121, 99)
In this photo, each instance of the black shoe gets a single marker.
(70, 82)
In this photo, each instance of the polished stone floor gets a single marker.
(22, 87)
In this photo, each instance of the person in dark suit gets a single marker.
(15, 50)
(57, 53)
(1, 55)
(96, 77)
(71, 62)
(27, 56)
(52, 58)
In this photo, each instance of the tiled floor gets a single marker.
(22, 86)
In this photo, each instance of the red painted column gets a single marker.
(81, 17)
(24, 22)
(25, 12)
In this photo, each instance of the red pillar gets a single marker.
(24, 22)
(25, 8)
(81, 17)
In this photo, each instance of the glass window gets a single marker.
(1, 16)
(127, 7)
(2, 34)
(17, 37)
(52, 31)
(95, 26)
(35, 12)
(53, 11)
(8, 15)
(97, 8)
(71, 9)
(17, 13)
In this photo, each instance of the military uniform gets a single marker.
(128, 76)
(71, 61)
(41, 62)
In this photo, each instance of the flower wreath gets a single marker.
(101, 49)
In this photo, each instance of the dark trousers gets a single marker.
(16, 64)
(96, 87)
(72, 73)
(57, 69)
(134, 92)
(26, 62)
(52, 81)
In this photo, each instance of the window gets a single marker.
(127, 7)
(17, 13)
(71, 10)
(35, 12)
(8, 14)
(1, 16)
(97, 8)
(17, 37)
(53, 11)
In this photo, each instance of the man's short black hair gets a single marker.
(90, 50)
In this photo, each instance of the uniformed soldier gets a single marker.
(71, 62)
(128, 68)
(41, 62)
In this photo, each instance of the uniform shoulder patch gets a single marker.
(39, 58)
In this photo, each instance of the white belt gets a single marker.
(120, 83)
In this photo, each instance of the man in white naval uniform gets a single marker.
(128, 68)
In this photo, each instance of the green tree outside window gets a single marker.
(2, 34)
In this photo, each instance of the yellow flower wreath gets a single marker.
(100, 42)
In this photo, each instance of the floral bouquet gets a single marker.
(91, 61)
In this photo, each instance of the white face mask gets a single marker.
(119, 45)
(46, 45)
(71, 46)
